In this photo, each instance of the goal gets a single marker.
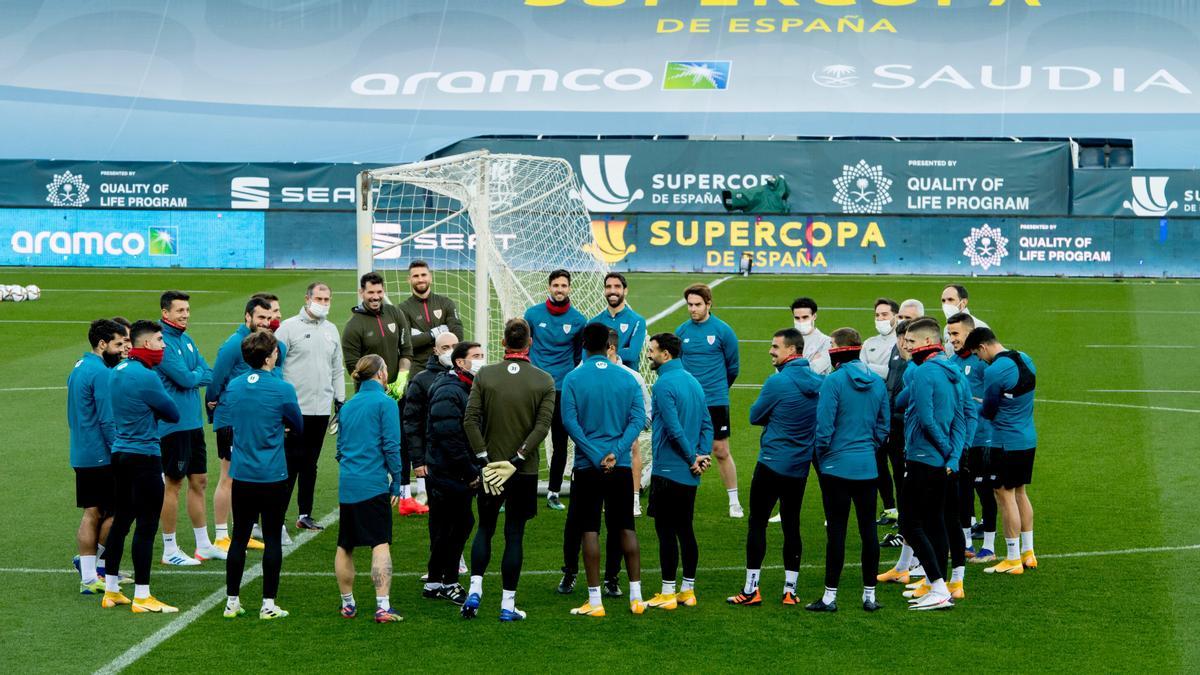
(490, 226)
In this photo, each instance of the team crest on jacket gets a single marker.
(566, 328)
(601, 365)
(967, 370)
(624, 327)
(190, 347)
(391, 328)
(513, 369)
(253, 378)
(712, 339)
(437, 313)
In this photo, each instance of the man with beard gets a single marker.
(376, 327)
(630, 326)
(230, 364)
(429, 315)
(556, 329)
(89, 417)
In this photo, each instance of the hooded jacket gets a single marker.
(368, 446)
(681, 428)
(974, 368)
(452, 464)
(231, 364)
(934, 421)
(385, 333)
(416, 409)
(89, 413)
(1007, 403)
(852, 421)
(183, 371)
(786, 409)
(603, 412)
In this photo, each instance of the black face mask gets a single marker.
(110, 359)
(921, 353)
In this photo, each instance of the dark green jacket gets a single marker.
(386, 334)
(510, 405)
(423, 316)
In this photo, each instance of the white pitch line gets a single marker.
(1122, 311)
(1136, 346)
(1144, 391)
(1119, 405)
(679, 303)
(218, 596)
(783, 308)
(32, 389)
(725, 568)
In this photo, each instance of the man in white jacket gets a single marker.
(314, 368)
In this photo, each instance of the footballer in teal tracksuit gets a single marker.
(260, 407)
(138, 402)
(229, 365)
(853, 421)
(710, 354)
(1008, 389)
(681, 433)
(556, 329)
(975, 475)
(631, 334)
(786, 409)
(183, 371)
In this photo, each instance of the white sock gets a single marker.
(421, 485)
(637, 500)
(477, 585)
(868, 594)
(967, 536)
(551, 495)
(87, 568)
(383, 602)
(989, 541)
(284, 529)
(1014, 551)
(141, 591)
(100, 552)
(733, 497)
(593, 596)
(268, 603)
(169, 545)
(687, 585)
(347, 599)
(789, 580)
(668, 588)
(635, 591)
(112, 583)
(508, 600)
(405, 492)
(830, 596)
(432, 586)
(939, 587)
(232, 602)
(958, 574)
(751, 581)
(906, 556)
(201, 537)
(1026, 541)
(221, 530)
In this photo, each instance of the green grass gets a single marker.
(1107, 478)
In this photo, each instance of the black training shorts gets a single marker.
(225, 444)
(94, 488)
(1014, 468)
(366, 523)
(720, 421)
(184, 453)
(594, 491)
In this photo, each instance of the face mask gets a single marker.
(477, 365)
(273, 326)
(805, 327)
(950, 310)
(111, 359)
(884, 327)
(318, 310)
(149, 357)
(444, 359)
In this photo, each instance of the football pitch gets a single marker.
(1116, 491)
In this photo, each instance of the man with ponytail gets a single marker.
(368, 455)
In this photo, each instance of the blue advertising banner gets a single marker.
(1137, 193)
(212, 239)
(869, 245)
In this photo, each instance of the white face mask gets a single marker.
(477, 365)
(444, 358)
(318, 310)
(950, 310)
(805, 327)
(884, 327)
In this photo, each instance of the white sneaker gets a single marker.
(256, 533)
(777, 518)
(933, 601)
(735, 511)
(287, 540)
(179, 559)
(917, 571)
(210, 553)
(462, 565)
(422, 498)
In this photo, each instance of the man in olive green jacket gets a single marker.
(376, 327)
(429, 315)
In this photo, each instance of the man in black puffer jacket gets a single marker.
(452, 473)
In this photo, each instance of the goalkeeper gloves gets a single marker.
(438, 330)
(496, 474)
(396, 389)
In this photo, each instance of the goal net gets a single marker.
(491, 227)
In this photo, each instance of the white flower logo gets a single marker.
(67, 190)
(986, 247)
(837, 76)
(862, 188)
